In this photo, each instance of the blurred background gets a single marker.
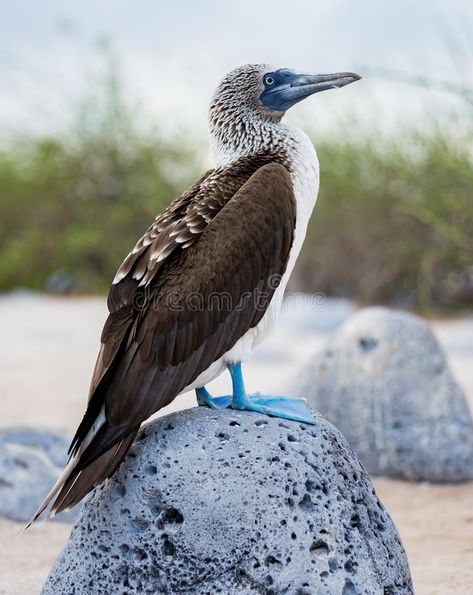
(103, 121)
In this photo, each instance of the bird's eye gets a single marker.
(269, 80)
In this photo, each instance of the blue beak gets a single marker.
(284, 88)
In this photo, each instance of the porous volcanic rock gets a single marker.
(234, 502)
(31, 460)
(384, 382)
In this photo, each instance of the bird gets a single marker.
(204, 285)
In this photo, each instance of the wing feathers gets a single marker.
(191, 287)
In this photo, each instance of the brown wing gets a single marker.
(205, 298)
(154, 245)
(230, 247)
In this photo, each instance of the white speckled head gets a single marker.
(236, 115)
(239, 92)
(246, 110)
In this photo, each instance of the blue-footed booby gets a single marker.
(205, 283)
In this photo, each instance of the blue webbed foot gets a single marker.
(205, 399)
(285, 407)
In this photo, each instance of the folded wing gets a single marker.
(197, 281)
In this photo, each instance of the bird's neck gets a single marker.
(247, 135)
(289, 146)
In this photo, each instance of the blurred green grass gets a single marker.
(393, 222)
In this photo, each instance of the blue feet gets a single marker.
(285, 407)
(205, 399)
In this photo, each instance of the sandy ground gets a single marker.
(45, 366)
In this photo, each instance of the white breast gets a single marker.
(305, 177)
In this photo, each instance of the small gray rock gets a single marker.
(234, 502)
(383, 381)
(30, 462)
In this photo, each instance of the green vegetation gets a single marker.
(394, 220)
(71, 207)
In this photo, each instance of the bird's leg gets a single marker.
(285, 407)
(205, 399)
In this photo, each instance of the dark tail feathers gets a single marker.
(87, 469)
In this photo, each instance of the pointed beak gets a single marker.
(308, 84)
(294, 87)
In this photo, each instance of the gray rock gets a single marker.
(30, 462)
(383, 381)
(234, 502)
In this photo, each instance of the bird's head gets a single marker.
(259, 93)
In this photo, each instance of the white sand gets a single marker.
(46, 358)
